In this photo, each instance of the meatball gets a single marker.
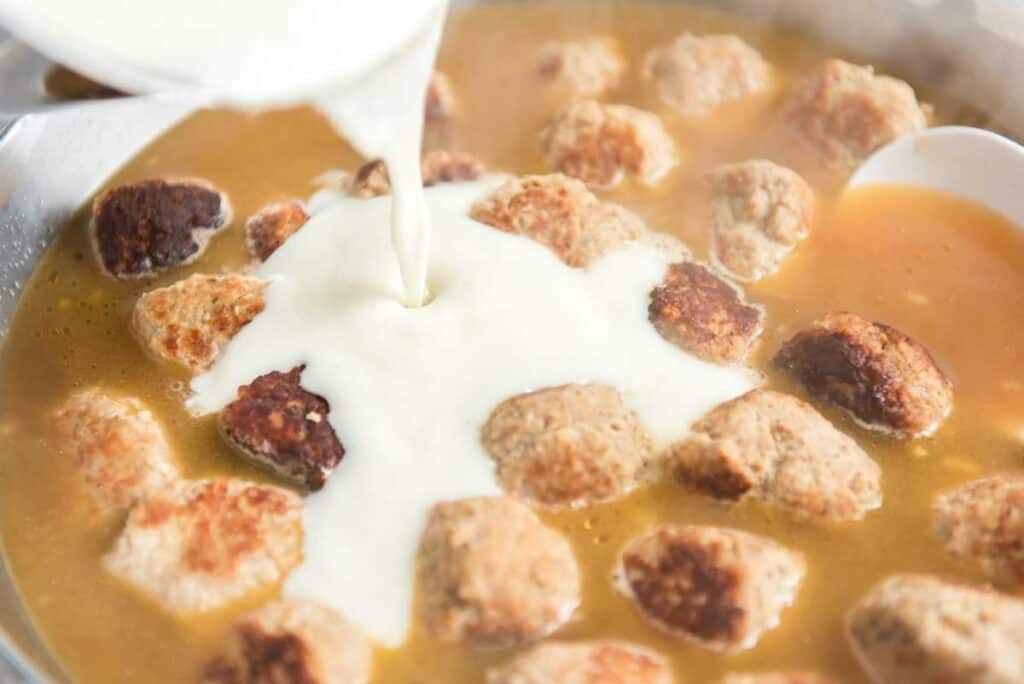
(602, 144)
(491, 574)
(844, 112)
(437, 166)
(916, 629)
(885, 379)
(719, 587)
(983, 522)
(440, 102)
(589, 67)
(196, 546)
(144, 228)
(694, 75)
(778, 678)
(759, 212)
(191, 321)
(704, 315)
(291, 642)
(584, 662)
(567, 446)
(118, 447)
(277, 425)
(268, 229)
(776, 448)
(561, 214)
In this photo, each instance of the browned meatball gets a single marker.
(568, 445)
(719, 587)
(983, 522)
(276, 424)
(191, 321)
(845, 112)
(759, 212)
(694, 75)
(141, 229)
(585, 68)
(778, 449)
(437, 166)
(291, 642)
(702, 314)
(778, 678)
(268, 229)
(584, 662)
(916, 629)
(197, 546)
(118, 447)
(560, 213)
(491, 574)
(885, 379)
(602, 144)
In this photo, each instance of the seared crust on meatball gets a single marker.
(276, 424)
(437, 166)
(118, 446)
(704, 315)
(268, 229)
(776, 448)
(778, 678)
(560, 213)
(983, 522)
(141, 229)
(694, 75)
(566, 446)
(885, 379)
(759, 212)
(719, 587)
(440, 98)
(585, 68)
(916, 629)
(491, 574)
(291, 642)
(601, 144)
(584, 662)
(191, 321)
(845, 112)
(196, 546)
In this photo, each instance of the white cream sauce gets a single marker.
(410, 388)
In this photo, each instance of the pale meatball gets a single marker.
(694, 75)
(584, 662)
(844, 112)
(190, 322)
(567, 446)
(884, 378)
(267, 230)
(602, 144)
(197, 546)
(145, 228)
(561, 214)
(440, 102)
(118, 447)
(585, 68)
(719, 587)
(983, 522)
(916, 629)
(776, 448)
(291, 642)
(759, 212)
(491, 574)
(704, 315)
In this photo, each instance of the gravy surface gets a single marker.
(949, 273)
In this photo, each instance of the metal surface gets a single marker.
(49, 164)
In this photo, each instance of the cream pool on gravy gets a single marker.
(586, 345)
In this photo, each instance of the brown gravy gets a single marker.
(947, 272)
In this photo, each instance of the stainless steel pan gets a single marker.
(49, 164)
